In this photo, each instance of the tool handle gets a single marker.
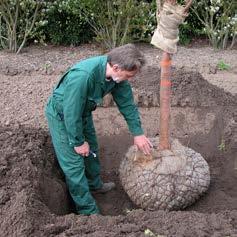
(92, 153)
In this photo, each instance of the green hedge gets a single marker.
(65, 24)
(73, 22)
(111, 23)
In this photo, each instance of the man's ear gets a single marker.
(115, 67)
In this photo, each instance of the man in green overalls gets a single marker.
(68, 112)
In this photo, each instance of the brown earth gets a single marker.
(33, 196)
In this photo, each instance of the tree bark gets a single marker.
(165, 89)
(165, 96)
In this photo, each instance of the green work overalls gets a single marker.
(69, 116)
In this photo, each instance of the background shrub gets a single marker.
(219, 19)
(192, 28)
(17, 22)
(144, 22)
(65, 23)
(111, 23)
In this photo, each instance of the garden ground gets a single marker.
(33, 197)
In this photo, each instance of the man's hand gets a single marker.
(83, 150)
(143, 144)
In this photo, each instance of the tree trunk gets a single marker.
(165, 91)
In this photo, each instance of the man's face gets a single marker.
(120, 75)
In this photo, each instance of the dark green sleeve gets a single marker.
(75, 94)
(123, 97)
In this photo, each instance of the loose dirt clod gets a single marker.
(169, 180)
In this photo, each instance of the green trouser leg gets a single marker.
(92, 164)
(75, 167)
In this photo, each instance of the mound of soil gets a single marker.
(188, 89)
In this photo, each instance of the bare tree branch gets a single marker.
(27, 31)
(188, 4)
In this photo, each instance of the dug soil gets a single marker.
(34, 200)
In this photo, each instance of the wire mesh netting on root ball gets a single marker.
(168, 180)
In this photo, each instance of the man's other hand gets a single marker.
(143, 144)
(83, 150)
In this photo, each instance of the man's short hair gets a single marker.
(128, 57)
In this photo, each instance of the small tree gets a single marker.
(165, 85)
(17, 19)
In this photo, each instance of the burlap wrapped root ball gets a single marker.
(168, 180)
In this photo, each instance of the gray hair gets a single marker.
(128, 57)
